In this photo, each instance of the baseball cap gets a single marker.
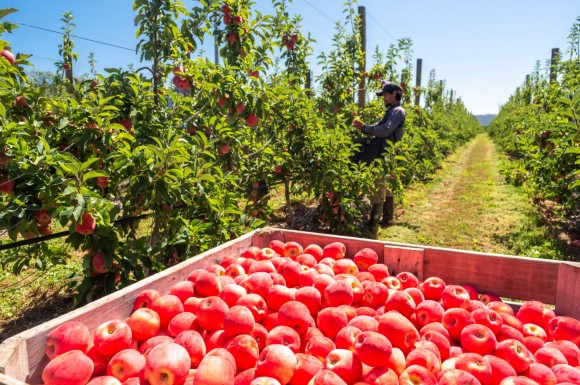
(389, 87)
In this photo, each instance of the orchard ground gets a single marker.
(466, 205)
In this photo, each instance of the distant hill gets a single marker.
(484, 120)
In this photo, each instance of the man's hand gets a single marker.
(358, 124)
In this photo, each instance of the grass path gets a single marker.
(467, 205)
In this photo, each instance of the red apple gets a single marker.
(306, 368)
(457, 377)
(319, 346)
(193, 342)
(455, 296)
(399, 330)
(565, 328)
(145, 298)
(477, 338)
(214, 370)
(500, 369)
(334, 250)
(277, 361)
(126, 364)
(514, 352)
(344, 363)
(330, 321)
(86, 225)
(167, 306)
(432, 288)
(70, 368)
(112, 336)
(373, 348)
(211, 313)
(144, 323)
(476, 365)
(417, 375)
(71, 335)
(245, 350)
(284, 335)
(7, 55)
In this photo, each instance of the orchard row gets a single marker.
(288, 314)
(201, 147)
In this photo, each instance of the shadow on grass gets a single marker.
(42, 309)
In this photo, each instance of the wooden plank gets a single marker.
(400, 259)
(6, 380)
(13, 355)
(568, 290)
(508, 276)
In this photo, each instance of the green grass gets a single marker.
(467, 205)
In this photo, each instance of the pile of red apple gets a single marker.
(285, 314)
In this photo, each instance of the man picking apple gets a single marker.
(389, 128)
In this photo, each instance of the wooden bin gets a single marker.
(557, 283)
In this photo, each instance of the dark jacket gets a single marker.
(390, 126)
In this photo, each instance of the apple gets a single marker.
(211, 313)
(432, 288)
(70, 368)
(500, 369)
(535, 312)
(476, 365)
(541, 374)
(98, 262)
(112, 336)
(252, 120)
(144, 323)
(183, 321)
(364, 323)
(284, 335)
(215, 370)
(6, 54)
(295, 315)
(145, 298)
(167, 364)
(238, 320)
(167, 306)
(566, 373)
(326, 377)
(338, 292)
(256, 304)
(346, 337)
(345, 363)
(443, 344)
(565, 328)
(277, 361)
(71, 335)
(306, 368)
(428, 311)
(477, 338)
(193, 342)
(569, 349)
(86, 225)
(314, 250)
(125, 364)
(400, 301)
(455, 319)
(373, 348)
(310, 297)
(42, 217)
(424, 357)
(472, 290)
(334, 250)
(207, 284)
(489, 318)
(100, 362)
(455, 296)
(319, 346)
(408, 279)
(149, 344)
(514, 352)
(245, 377)
(457, 377)
(375, 294)
(549, 356)
(290, 270)
(417, 375)
(365, 257)
(258, 283)
(330, 321)
(379, 271)
(245, 350)
(105, 380)
(399, 330)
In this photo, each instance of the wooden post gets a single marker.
(418, 81)
(363, 42)
(309, 82)
(553, 64)
(216, 47)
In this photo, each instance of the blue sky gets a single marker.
(482, 49)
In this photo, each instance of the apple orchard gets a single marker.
(199, 149)
(306, 315)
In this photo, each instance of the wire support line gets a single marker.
(381, 26)
(75, 36)
(321, 12)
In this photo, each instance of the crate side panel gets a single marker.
(510, 277)
(13, 358)
(400, 259)
(7, 380)
(117, 305)
(568, 290)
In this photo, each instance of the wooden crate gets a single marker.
(556, 283)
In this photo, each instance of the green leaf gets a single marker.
(93, 174)
(7, 11)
